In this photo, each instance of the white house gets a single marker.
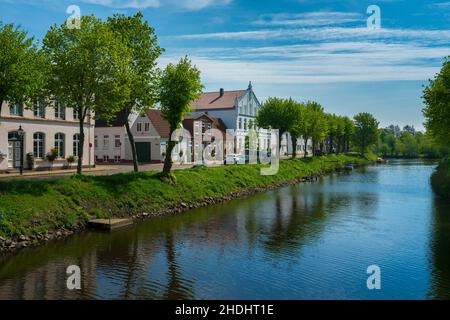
(150, 132)
(44, 128)
(237, 109)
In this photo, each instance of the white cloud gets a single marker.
(142, 4)
(318, 63)
(122, 4)
(308, 19)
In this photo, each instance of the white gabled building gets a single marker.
(237, 109)
(44, 128)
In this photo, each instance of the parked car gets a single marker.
(235, 159)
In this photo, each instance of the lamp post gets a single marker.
(21, 133)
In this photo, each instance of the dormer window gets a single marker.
(39, 108)
(16, 110)
(60, 110)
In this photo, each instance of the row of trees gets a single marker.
(328, 132)
(408, 143)
(102, 68)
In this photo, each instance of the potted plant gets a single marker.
(51, 157)
(30, 160)
(71, 160)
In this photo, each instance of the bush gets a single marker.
(30, 160)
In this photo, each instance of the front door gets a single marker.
(143, 152)
(10, 154)
(17, 151)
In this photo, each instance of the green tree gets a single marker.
(297, 111)
(437, 106)
(276, 113)
(180, 85)
(23, 67)
(141, 40)
(89, 71)
(318, 126)
(366, 131)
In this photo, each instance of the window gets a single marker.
(240, 123)
(117, 143)
(196, 127)
(139, 127)
(76, 145)
(16, 110)
(117, 158)
(245, 124)
(96, 142)
(76, 114)
(59, 144)
(147, 127)
(60, 110)
(105, 142)
(105, 158)
(39, 108)
(38, 145)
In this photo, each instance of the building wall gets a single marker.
(49, 126)
(105, 144)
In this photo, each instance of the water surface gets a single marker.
(308, 241)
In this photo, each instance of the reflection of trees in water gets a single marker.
(440, 250)
(300, 216)
(177, 288)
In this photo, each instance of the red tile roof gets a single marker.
(161, 125)
(213, 100)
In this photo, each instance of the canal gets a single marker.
(308, 241)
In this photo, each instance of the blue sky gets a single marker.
(306, 49)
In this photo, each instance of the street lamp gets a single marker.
(21, 133)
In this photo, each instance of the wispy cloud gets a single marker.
(142, 4)
(308, 19)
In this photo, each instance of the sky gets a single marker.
(318, 50)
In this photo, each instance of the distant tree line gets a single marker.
(408, 143)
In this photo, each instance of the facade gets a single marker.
(286, 146)
(45, 127)
(198, 125)
(238, 111)
(111, 141)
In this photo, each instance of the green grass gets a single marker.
(440, 180)
(34, 206)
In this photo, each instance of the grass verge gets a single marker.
(32, 206)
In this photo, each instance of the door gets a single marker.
(17, 152)
(143, 150)
(10, 154)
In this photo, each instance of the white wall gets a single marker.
(49, 126)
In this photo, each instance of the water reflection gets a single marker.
(301, 242)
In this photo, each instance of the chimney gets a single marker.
(221, 92)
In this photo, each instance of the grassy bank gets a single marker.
(440, 180)
(36, 207)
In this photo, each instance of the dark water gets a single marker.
(311, 241)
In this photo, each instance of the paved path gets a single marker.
(99, 170)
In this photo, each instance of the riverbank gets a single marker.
(33, 212)
(440, 180)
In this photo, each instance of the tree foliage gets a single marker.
(23, 67)
(140, 38)
(179, 86)
(366, 131)
(89, 70)
(437, 106)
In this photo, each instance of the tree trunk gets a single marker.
(280, 137)
(81, 144)
(294, 146)
(133, 146)
(306, 148)
(168, 160)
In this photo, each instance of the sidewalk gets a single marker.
(99, 170)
